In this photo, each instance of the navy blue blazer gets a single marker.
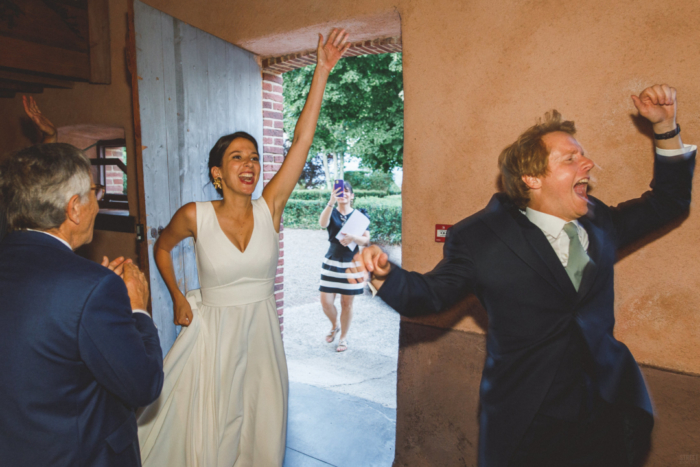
(76, 362)
(534, 310)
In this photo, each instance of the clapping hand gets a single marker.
(43, 124)
(658, 105)
(329, 53)
(117, 265)
(136, 286)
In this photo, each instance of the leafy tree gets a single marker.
(362, 113)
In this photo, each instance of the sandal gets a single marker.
(330, 337)
(342, 345)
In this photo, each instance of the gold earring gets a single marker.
(217, 183)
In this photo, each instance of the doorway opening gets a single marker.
(342, 406)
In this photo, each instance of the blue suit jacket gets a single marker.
(534, 310)
(76, 362)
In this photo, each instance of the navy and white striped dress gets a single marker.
(334, 279)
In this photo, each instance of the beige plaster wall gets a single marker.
(86, 104)
(479, 72)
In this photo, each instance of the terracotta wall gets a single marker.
(94, 104)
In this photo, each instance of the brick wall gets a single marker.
(114, 177)
(273, 155)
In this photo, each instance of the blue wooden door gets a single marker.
(193, 88)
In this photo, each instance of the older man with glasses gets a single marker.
(80, 354)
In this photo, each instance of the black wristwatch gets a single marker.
(668, 134)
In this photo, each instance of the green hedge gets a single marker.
(325, 195)
(385, 214)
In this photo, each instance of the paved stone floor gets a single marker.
(342, 406)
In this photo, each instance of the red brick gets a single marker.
(281, 318)
(279, 295)
(271, 167)
(279, 159)
(282, 331)
(268, 176)
(268, 158)
(273, 96)
(280, 311)
(271, 132)
(278, 142)
(281, 244)
(273, 149)
(277, 106)
(280, 271)
(281, 253)
(272, 114)
(273, 78)
(267, 140)
(279, 124)
(267, 86)
(268, 105)
(282, 225)
(281, 236)
(279, 287)
(279, 280)
(280, 303)
(277, 88)
(269, 123)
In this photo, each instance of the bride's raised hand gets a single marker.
(334, 48)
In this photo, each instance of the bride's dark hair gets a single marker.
(217, 152)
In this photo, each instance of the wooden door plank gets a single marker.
(99, 42)
(170, 41)
(194, 158)
(247, 99)
(149, 63)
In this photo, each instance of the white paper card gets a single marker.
(356, 225)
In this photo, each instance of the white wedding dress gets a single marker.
(224, 400)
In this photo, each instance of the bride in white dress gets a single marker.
(224, 400)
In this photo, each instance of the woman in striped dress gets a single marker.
(334, 279)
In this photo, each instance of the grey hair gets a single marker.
(36, 184)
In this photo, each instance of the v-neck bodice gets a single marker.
(226, 273)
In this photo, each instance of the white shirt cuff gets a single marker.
(685, 150)
(141, 311)
(373, 289)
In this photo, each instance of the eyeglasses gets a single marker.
(99, 191)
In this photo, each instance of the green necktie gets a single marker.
(578, 258)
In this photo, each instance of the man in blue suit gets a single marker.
(80, 354)
(557, 389)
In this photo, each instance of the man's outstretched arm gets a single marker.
(415, 294)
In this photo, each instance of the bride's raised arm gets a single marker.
(278, 190)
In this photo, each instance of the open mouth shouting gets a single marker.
(247, 178)
(581, 188)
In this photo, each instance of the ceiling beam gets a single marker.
(42, 80)
(29, 88)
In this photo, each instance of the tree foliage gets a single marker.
(362, 113)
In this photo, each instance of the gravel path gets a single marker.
(368, 368)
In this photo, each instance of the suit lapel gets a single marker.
(595, 239)
(528, 242)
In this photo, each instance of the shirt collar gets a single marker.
(54, 236)
(549, 224)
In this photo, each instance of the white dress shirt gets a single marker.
(69, 247)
